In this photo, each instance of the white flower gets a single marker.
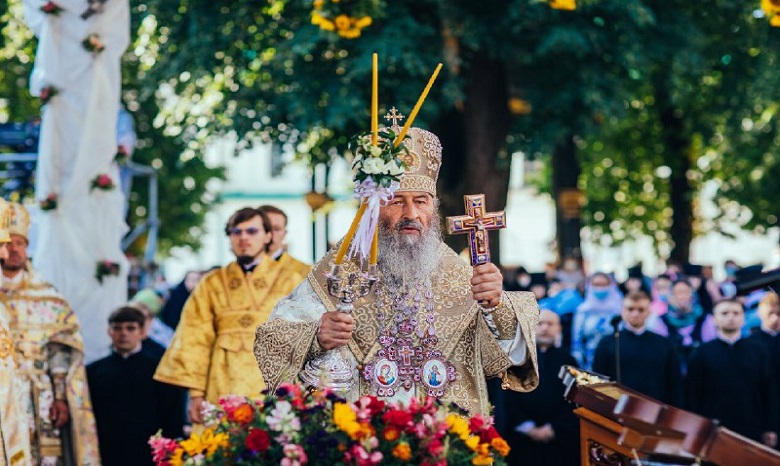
(393, 169)
(375, 151)
(373, 166)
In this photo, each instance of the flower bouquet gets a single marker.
(346, 17)
(49, 203)
(51, 8)
(106, 268)
(382, 163)
(296, 427)
(102, 182)
(93, 43)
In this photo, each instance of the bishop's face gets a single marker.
(409, 214)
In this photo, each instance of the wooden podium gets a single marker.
(622, 427)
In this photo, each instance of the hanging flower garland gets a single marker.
(47, 93)
(49, 203)
(347, 18)
(51, 8)
(106, 268)
(771, 9)
(567, 5)
(93, 44)
(102, 182)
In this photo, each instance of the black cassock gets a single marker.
(732, 383)
(544, 405)
(771, 344)
(649, 364)
(130, 407)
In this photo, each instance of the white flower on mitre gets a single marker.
(375, 151)
(373, 166)
(393, 169)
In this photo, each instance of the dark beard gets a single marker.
(405, 259)
(244, 260)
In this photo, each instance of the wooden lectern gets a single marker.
(622, 427)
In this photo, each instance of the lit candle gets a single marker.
(374, 247)
(417, 107)
(375, 101)
(348, 239)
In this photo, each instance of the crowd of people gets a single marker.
(680, 337)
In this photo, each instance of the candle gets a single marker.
(417, 107)
(348, 239)
(374, 101)
(374, 247)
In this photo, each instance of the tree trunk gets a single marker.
(568, 218)
(486, 120)
(677, 156)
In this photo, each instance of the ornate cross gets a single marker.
(394, 116)
(476, 223)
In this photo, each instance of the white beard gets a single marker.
(408, 259)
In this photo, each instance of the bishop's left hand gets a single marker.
(59, 413)
(487, 284)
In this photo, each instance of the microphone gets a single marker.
(615, 322)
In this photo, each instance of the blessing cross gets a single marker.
(476, 223)
(394, 116)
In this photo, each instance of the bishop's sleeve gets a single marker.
(186, 361)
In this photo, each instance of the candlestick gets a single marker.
(350, 234)
(374, 101)
(417, 106)
(374, 247)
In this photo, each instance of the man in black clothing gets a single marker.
(729, 378)
(767, 337)
(649, 362)
(543, 428)
(129, 405)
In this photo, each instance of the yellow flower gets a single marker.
(770, 7)
(176, 459)
(316, 18)
(342, 22)
(775, 21)
(403, 451)
(317, 4)
(458, 425)
(500, 445)
(473, 443)
(563, 4)
(349, 33)
(193, 445)
(327, 25)
(346, 420)
(360, 23)
(482, 460)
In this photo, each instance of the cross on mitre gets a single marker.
(394, 116)
(476, 223)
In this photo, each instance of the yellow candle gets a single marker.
(417, 106)
(375, 101)
(348, 239)
(374, 247)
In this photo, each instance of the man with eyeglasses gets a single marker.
(211, 351)
(649, 363)
(129, 406)
(278, 252)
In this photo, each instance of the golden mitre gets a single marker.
(20, 220)
(423, 160)
(5, 221)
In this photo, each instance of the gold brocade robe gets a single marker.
(288, 340)
(50, 354)
(14, 430)
(211, 351)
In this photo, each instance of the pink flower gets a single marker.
(363, 457)
(294, 455)
(162, 447)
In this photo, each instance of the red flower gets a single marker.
(488, 434)
(375, 405)
(435, 448)
(477, 423)
(397, 418)
(258, 440)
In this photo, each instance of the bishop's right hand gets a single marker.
(335, 330)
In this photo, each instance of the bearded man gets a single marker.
(422, 317)
(50, 352)
(210, 353)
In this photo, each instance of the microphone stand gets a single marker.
(616, 325)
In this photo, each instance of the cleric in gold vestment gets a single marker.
(50, 354)
(420, 331)
(211, 351)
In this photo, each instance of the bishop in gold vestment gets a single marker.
(211, 351)
(420, 331)
(50, 353)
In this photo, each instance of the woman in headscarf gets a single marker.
(592, 320)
